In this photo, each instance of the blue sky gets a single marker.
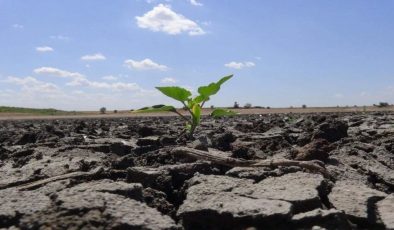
(82, 55)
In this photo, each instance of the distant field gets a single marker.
(14, 113)
(6, 110)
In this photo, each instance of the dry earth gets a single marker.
(122, 173)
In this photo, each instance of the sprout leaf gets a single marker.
(175, 92)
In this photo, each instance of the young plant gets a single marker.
(192, 105)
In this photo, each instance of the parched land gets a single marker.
(268, 170)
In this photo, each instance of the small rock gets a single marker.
(215, 211)
(304, 138)
(223, 141)
(243, 149)
(201, 143)
(357, 201)
(331, 131)
(145, 131)
(156, 178)
(167, 140)
(151, 140)
(27, 138)
(120, 148)
(318, 149)
(329, 219)
(301, 189)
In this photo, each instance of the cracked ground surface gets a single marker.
(124, 176)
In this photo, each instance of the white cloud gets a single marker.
(239, 65)
(58, 72)
(146, 64)
(195, 3)
(117, 86)
(17, 26)
(60, 37)
(21, 81)
(43, 49)
(93, 57)
(168, 80)
(32, 84)
(38, 94)
(80, 80)
(32, 93)
(109, 78)
(162, 18)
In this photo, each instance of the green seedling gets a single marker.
(192, 105)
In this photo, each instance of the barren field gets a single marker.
(205, 111)
(265, 170)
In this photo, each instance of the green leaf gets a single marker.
(190, 103)
(156, 108)
(196, 114)
(198, 99)
(224, 79)
(175, 92)
(222, 113)
(211, 89)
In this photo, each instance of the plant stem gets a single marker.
(194, 126)
(187, 107)
(191, 122)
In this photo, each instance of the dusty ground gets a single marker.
(121, 173)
